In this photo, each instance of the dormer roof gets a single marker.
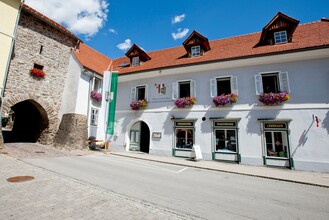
(280, 22)
(196, 39)
(136, 51)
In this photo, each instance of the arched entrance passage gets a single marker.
(29, 120)
(139, 137)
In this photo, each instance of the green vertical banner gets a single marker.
(112, 105)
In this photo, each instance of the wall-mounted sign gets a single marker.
(161, 88)
(184, 123)
(225, 124)
(156, 135)
(275, 125)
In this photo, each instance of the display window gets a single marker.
(276, 143)
(225, 140)
(184, 137)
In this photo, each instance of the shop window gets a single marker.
(94, 116)
(276, 144)
(182, 89)
(223, 86)
(280, 37)
(226, 140)
(139, 93)
(272, 82)
(184, 138)
(195, 51)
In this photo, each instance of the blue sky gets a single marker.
(107, 24)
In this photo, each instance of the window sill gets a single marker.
(277, 158)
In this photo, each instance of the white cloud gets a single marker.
(180, 33)
(125, 45)
(178, 18)
(85, 17)
(113, 31)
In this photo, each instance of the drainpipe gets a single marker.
(7, 68)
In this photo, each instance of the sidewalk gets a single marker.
(52, 196)
(295, 176)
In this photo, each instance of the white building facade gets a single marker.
(271, 108)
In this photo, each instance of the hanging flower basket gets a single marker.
(184, 102)
(96, 95)
(273, 98)
(138, 105)
(37, 73)
(225, 99)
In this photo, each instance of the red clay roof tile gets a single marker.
(92, 59)
(306, 36)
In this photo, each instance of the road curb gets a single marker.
(224, 171)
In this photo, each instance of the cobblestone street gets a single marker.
(52, 196)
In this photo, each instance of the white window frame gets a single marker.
(99, 89)
(135, 61)
(175, 88)
(283, 81)
(133, 92)
(280, 37)
(94, 112)
(233, 82)
(196, 51)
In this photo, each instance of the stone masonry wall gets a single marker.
(37, 42)
(72, 132)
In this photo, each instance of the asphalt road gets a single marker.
(206, 194)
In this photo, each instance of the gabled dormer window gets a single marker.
(137, 56)
(195, 51)
(279, 30)
(135, 61)
(196, 45)
(280, 37)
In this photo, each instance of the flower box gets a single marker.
(273, 98)
(96, 95)
(184, 102)
(37, 73)
(138, 105)
(225, 99)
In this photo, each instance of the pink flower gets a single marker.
(96, 95)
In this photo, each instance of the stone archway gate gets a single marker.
(48, 134)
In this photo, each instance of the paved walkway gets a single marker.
(52, 196)
(302, 177)
(32, 150)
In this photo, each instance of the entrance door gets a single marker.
(140, 137)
